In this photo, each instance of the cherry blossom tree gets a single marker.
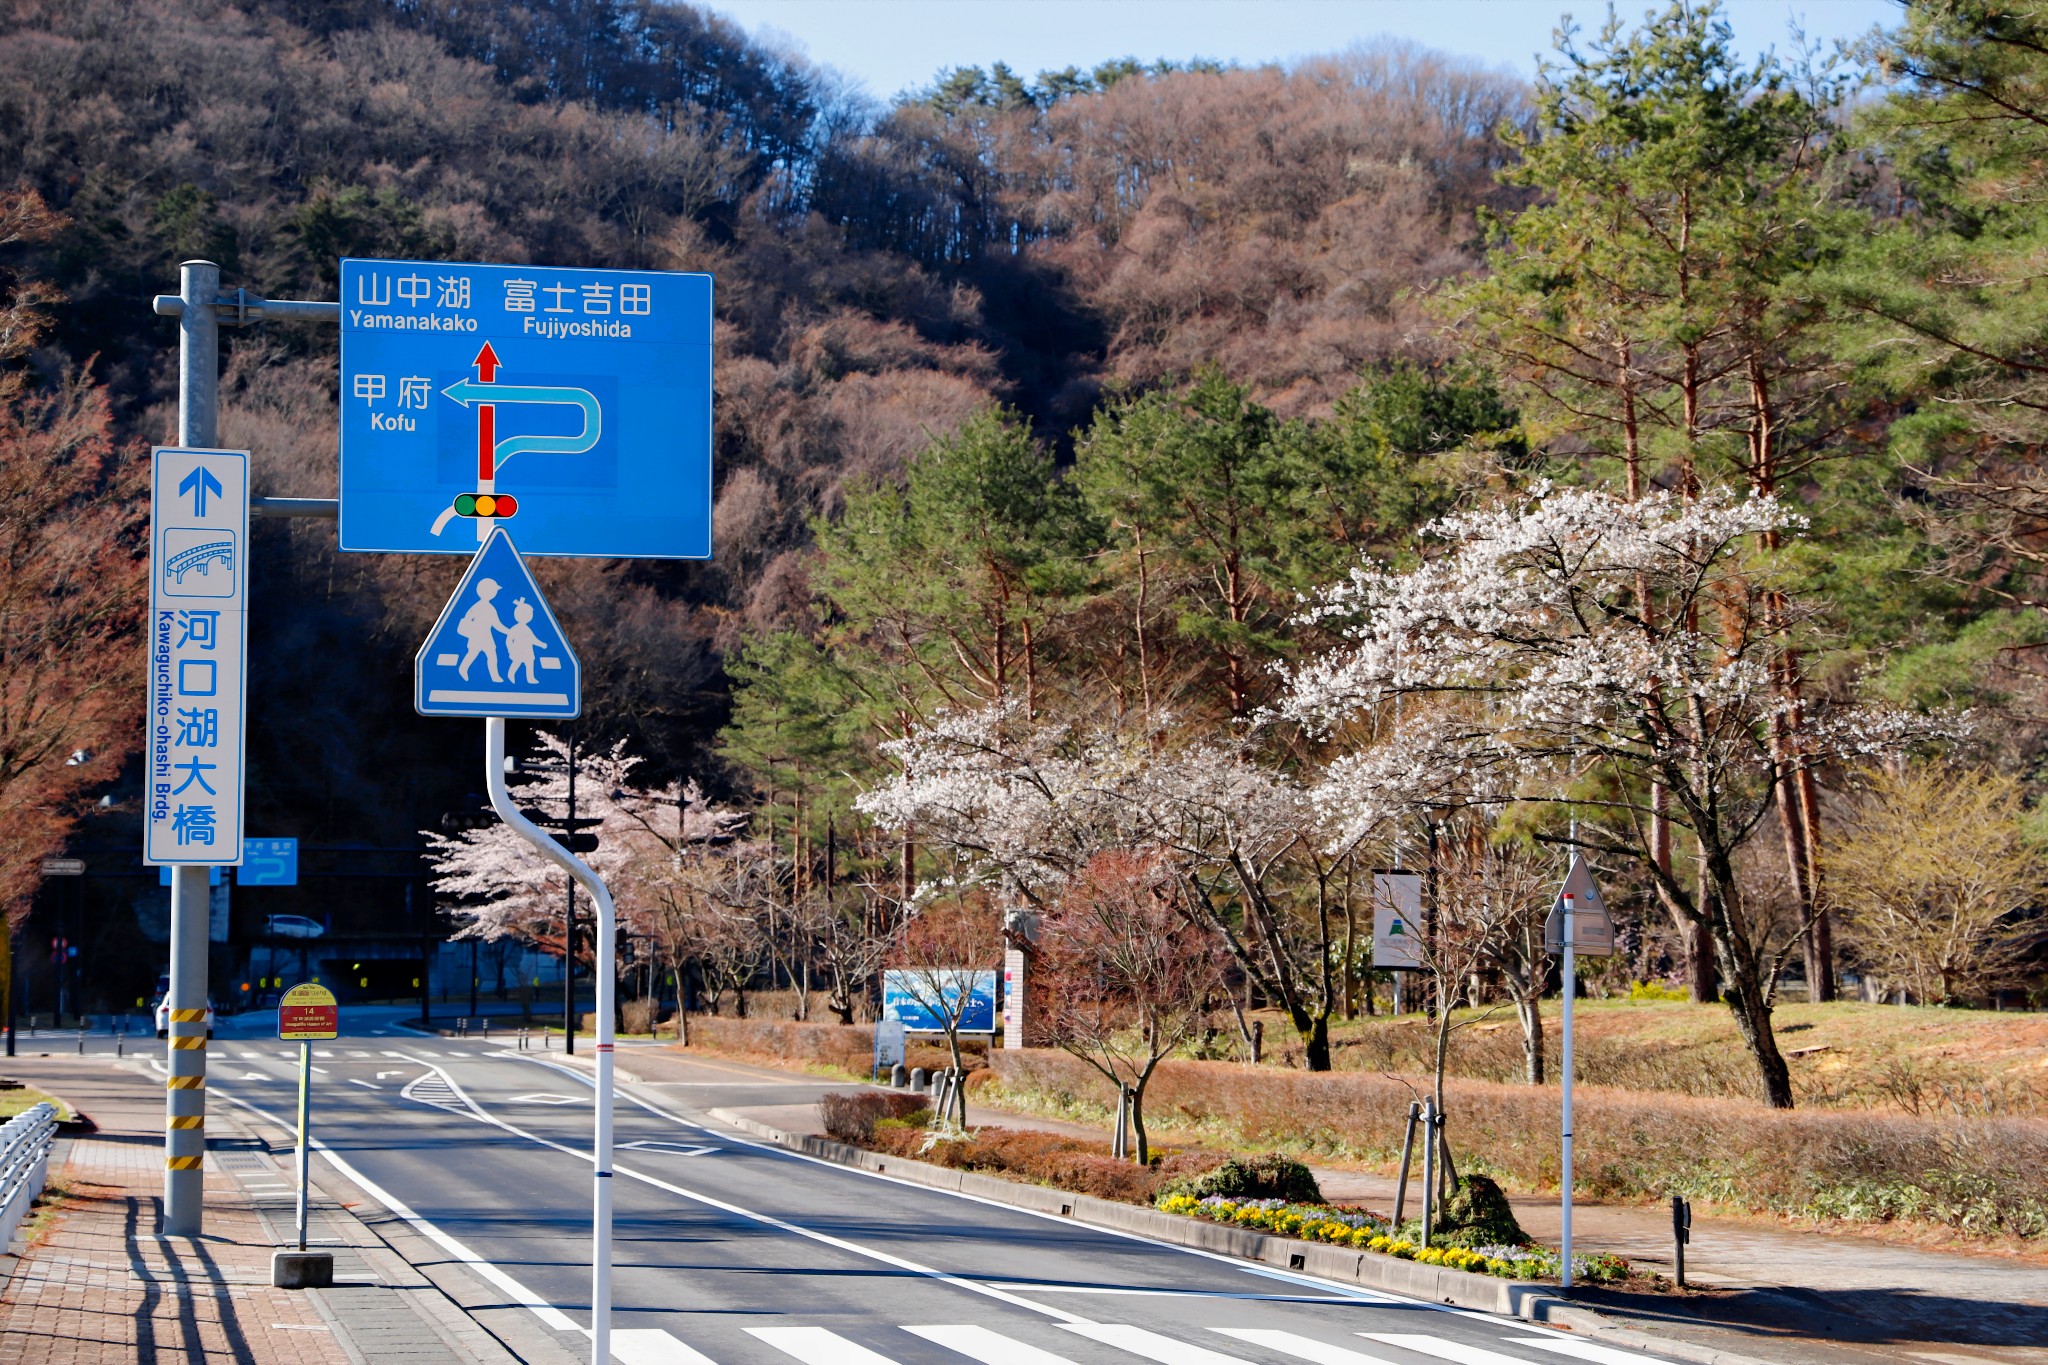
(1529, 639)
(497, 887)
(1027, 804)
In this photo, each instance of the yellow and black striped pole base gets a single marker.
(185, 1122)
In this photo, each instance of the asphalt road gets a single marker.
(732, 1251)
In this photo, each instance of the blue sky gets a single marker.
(891, 45)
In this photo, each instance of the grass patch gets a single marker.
(13, 1102)
(1920, 1060)
(1981, 1177)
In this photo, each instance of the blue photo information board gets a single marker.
(570, 407)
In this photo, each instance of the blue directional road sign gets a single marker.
(496, 651)
(572, 407)
(269, 862)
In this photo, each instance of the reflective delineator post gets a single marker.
(607, 946)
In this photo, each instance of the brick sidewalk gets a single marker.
(100, 1284)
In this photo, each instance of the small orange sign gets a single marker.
(308, 1013)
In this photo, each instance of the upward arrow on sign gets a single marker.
(199, 483)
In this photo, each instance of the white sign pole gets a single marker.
(1564, 1270)
(607, 948)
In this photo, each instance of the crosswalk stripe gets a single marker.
(652, 1346)
(1584, 1350)
(990, 1348)
(1304, 1348)
(1455, 1351)
(816, 1346)
(1150, 1345)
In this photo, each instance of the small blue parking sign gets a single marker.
(570, 407)
(497, 651)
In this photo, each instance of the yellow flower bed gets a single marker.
(1305, 1222)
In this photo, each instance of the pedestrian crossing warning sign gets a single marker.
(497, 650)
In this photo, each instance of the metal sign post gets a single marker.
(307, 1014)
(1578, 923)
(607, 947)
(201, 308)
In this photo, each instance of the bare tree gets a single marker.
(1935, 878)
(1131, 972)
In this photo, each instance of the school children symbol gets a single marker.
(497, 651)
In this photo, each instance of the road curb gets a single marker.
(1522, 1299)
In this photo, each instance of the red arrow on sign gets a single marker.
(486, 363)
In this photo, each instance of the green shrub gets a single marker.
(852, 1118)
(1271, 1176)
(1478, 1215)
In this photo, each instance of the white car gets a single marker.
(163, 1017)
(293, 926)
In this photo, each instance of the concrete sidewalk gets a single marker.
(100, 1285)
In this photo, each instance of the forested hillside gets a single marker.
(1162, 459)
(881, 273)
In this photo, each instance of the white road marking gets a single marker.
(766, 1220)
(386, 1075)
(367, 1085)
(816, 1346)
(249, 1056)
(546, 1099)
(990, 1348)
(1455, 1351)
(652, 1346)
(1016, 1288)
(519, 1293)
(1304, 1348)
(1585, 1350)
(1150, 1345)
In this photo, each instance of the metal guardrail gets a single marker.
(24, 1165)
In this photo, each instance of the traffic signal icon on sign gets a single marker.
(486, 505)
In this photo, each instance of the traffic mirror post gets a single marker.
(606, 932)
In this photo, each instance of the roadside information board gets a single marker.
(198, 601)
(571, 406)
(497, 650)
(923, 998)
(1592, 926)
(1397, 921)
(308, 1014)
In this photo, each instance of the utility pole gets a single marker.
(201, 308)
(191, 898)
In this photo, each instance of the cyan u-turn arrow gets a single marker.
(467, 391)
